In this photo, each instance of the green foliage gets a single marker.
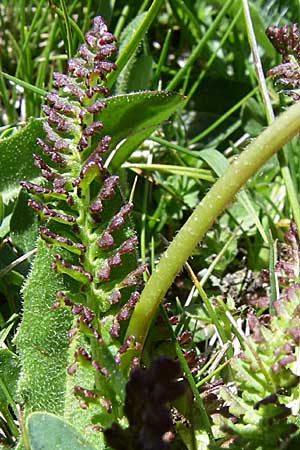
(16, 159)
(42, 338)
(88, 241)
(9, 374)
(267, 408)
(167, 163)
(23, 224)
(134, 117)
(264, 411)
(46, 432)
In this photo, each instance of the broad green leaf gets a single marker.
(16, 159)
(49, 432)
(134, 117)
(23, 224)
(45, 351)
(129, 31)
(137, 72)
(137, 75)
(42, 338)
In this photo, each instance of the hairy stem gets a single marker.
(219, 196)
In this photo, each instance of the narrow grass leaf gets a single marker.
(24, 84)
(200, 174)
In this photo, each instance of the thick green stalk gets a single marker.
(219, 196)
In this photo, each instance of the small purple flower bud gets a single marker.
(129, 342)
(114, 297)
(61, 80)
(106, 241)
(114, 330)
(96, 207)
(118, 219)
(61, 105)
(131, 278)
(76, 67)
(133, 299)
(95, 107)
(47, 149)
(107, 190)
(104, 273)
(35, 188)
(71, 370)
(91, 129)
(96, 88)
(106, 404)
(184, 338)
(115, 259)
(86, 54)
(294, 332)
(286, 360)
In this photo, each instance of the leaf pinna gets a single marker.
(87, 228)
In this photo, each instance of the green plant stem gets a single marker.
(29, 35)
(212, 374)
(203, 174)
(257, 62)
(162, 58)
(71, 22)
(176, 147)
(121, 21)
(219, 196)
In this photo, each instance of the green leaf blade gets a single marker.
(42, 338)
(48, 432)
(134, 117)
(16, 158)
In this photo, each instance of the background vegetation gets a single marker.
(204, 51)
